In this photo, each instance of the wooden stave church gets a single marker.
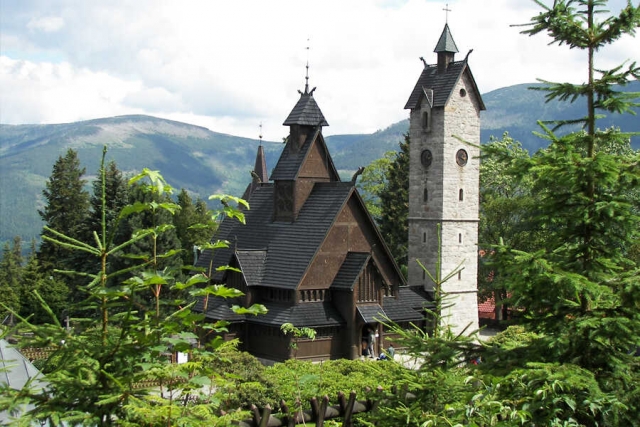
(311, 252)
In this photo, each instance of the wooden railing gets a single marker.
(320, 411)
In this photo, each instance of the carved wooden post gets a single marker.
(288, 419)
(315, 411)
(322, 412)
(348, 412)
(266, 413)
(256, 414)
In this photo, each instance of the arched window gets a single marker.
(459, 237)
(424, 237)
(426, 120)
(425, 195)
(461, 195)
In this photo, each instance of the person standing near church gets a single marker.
(371, 340)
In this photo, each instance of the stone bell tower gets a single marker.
(444, 180)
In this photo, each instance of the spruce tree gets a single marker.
(185, 221)
(116, 197)
(582, 290)
(66, 209)
(11, 271)
(51, 289)
(394, 199)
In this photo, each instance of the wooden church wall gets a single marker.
(316, 164)
(345, 235)
(370, 240)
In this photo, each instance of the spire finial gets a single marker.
(260, 134)
(446, 13)
(306, 83)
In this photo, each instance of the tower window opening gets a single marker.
(425, 195)
(461, 195)
(460, 275)
(426, 120)
(424, 237)
(463, 93)
(459, 237)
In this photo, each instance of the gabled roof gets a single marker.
(306, 112)
(291, 161)
(442, 84)
(310, 315)
(409, 305)
(371, 313)
(351, 268)
(251, 262)
(290, 247)
(446, 43)
(15, 372)
(219, 308)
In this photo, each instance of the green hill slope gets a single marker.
(206, 162)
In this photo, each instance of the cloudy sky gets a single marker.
(231, 65)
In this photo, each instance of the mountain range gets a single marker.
(207, 162)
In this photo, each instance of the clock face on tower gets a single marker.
(426, 158)
(462, 157)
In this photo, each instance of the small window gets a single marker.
(424, 237)
(459, 237)
(461, 195)
(463, 93)
(460, 275)
(425, 195)
(426, 120)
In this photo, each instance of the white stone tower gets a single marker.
(444, 179)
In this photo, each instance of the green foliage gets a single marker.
(394, 198)
(11, 277)
(580, 290)
(373, 182)
(506, 199)
(66, 208)
(114, 368)
(194, 225)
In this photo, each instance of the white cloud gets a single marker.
(48, 24)
(231, 65)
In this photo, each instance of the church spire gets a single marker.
(306, 111)
(446, 49)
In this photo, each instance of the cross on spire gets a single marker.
(446, 13)
(260, 134)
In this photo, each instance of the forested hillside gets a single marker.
(206, 162)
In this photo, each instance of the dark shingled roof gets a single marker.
(446, 43)
(306, 112)
(410, 304)
(371, 313)
(259, 173)
(219, 309)
(251, 263)
(290, 247)
(290, 160)
(310, 315)
(350, 270)
(441, 83)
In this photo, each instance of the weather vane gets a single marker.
(446, 13)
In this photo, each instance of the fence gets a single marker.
(320, 411)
